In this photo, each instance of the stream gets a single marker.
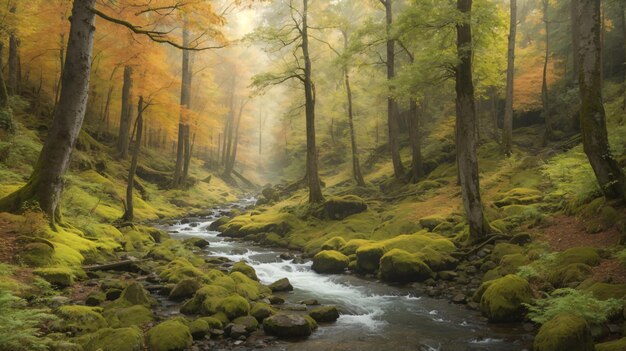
(374, 316)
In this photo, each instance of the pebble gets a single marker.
(459, 298)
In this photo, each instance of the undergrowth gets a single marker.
(19, 325)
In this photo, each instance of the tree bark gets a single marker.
(13, 59)
(356, 164)
(575, 37)
(230, 164)
(507, 131)
(466, 133)
(129, 214)
(592, 117)
(417, 166)
(622, 17)
(61, 63)
(315, 189)
(4, 94)
(392, 106)
(46, 182)
(125, 117)
(185, 104)
(545, 100)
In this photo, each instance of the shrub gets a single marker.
(19, 325)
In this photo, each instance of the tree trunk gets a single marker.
(392, 106)
(61, 62)
(466, 133)
(13, 59)
(46, 182)
(507, 131)
(4, 94)
(315, 190)
(622, 17)
(544, 83)
(356, 165)
(417, 167)
(125, 117)
(186, 152)
(230, 164)
(575, 37)
(592, 117)
(129, 213)
(185, 104)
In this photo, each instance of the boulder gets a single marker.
(137, 315)
(246, 269)
(330, 261)
(249, 322)
(261, 310)
(585, 255)
(184, 289)
(281, 285)
(615, 345)
(196, 242)
(234, 306)
(122, 339)
(60, 277)
(334, 243)
(214, 226)
(287, 326)
(135, 294)
(81, 319)
(565, 332)
(236, 331)
(400, 266)
(503, 298)
(37, 254)
(339, 208)
(324, 314)
(368, 257)
(171, 335)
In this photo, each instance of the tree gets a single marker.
(466, 124)
(507, 131)
(14, 78)
(129, 213)
(545, 98)
(125, 117)
(592, 115)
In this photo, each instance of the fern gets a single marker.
(19, 326)
(594, 311)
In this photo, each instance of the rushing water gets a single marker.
(375, 316)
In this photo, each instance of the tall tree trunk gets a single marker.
(61, 62)
(129, 214)
(4, 94)
(417, 166)
(392, 105)
(230, 164)
(622, 17)
(13, 59)
(185, 104)
(46, 182)
(125, 117)
(575, 37)
(260, 133)
(507, 131)
(545, 100)
(186, 152)
(315, 189)
(356, 164)
(466, 133)
(592, 117)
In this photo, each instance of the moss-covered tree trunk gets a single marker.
(466, 126)
(592, 117)
(123, 136)
(46, 182)
(129, 213)
(315, 189)
(507, 131)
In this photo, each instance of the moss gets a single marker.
(221, 316)
(324, 314)
(234, 306)
(249, 322)
(400, 266)
(186, 288)
(509, 264)
(519, 196)
(58, 276)
(198, 328)
(205, 300)
(261, 310)
(170, 335)
(330, 261)
(248, 288)
(213, 323)
(334, 243)
(503, 299)
(565, 332)
(615, 345)
(37, 254)
(180, 269)
(368, 257)
(135, 294)
(605, 291)
(338, 208)
(269, 222)
(81, 319)
(431, 222)
(503, 249)
(562, 276)
(137, 315)
(417, 242)
(586, 255)
(108, 339)
(352, 245)
(245, 269)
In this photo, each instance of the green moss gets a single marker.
(221, 316)
(137, 315)
(338, 208)
(586, 255)
(565, 332)
(615, 345)
(330, 261)
(268, 222)
(180, 269)
(503, 249)
(135, 294)
(37, 254)
(368, 257)
(431, 222)
(213, 323)
(352, 245)
(572, 273)
(82, 319)
(186, 288)
(261, 310)
(198, 328)
(57, 276)
(170, 335)
(400, 266)
(605, 291)
(234, 306)
(108, 339)
(249, 322)
(248, 288)
(334, 243)
(245, 269)
(503, 299)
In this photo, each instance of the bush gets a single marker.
(19, 325)
(594, 311)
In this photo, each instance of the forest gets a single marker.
(306, 175)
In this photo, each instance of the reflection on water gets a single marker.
(375, 316)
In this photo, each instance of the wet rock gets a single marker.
(447, 275)
(330, 261)
(293, 307)
(459, 298)
(261, 310)
(287, 326)
(196, 242)
(309, 302)
(276, 300)
(248, 322)
(281, 285)
(324, 314)
(246, 269)
(487, 266)
(234, 331)
(214, 226)
(521, 239)
(287, 256)
(185, 289)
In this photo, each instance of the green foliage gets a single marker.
(19, 325)
(567, 300)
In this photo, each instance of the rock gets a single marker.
(276, 300)
(324, 314)
(281, 285)
(95, 299)
(60, 277)
(520, 239)
(135, 294)
(309, 302)
(249, 322)
(81, 319)
(459, 298)
(287, 326)
(400, 266)
(338, 208)
(198, 328)
(214, 226)
(431, 222)
(502, 299)
(334, 243)
(586, 255)
(137, 315)
(235, 331)
(294, 307)
(196, 242)
(368, 257)
(563, 276)
(565, 332)
(108, 339)
(234, 306)
(185, 289)
(287, 256)
(330, 261)
(615, 345)
(171, 335)
(246, 269)
(113, 294)
(447, 275)
(503, 249)
(261, 310)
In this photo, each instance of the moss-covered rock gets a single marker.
(246, 269)
(205, 300)
(109, 339)
(171, 335)
(341, 207)
(400, 266)
(234, 306)
(261, 310)
(281, 285)
(605, 291)
(57, 276)
(334, 243)
(137, 315)
(135, 294)
(368, 257)
(81, 319)
(185, 289)
(213, 322)
(287, 326)
(249, 322)
(95, 299)
(431, 222)
(503, 299)
(180, 269)
(563, 276)
(37, 254)
(503, 249)
(199, 328)
(352, 245)
(615, 345)
(330, 261)
(196, 242)
(585, 255)
(218, 223)
(324, 314)
(565, 332)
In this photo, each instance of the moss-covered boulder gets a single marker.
(431, 222)
(137, 315)
(565, 332)
(205, 300)
(180, 269)
(213, 322)
(185, 289)
(281, 285)
(352, 245)
(196, 242)
(198, 328)
(400, 266)
(503, 298)
(81, 319)
(615, 345)
(234, 306)
(504, 249)
(340, 207)
(605, 291)
(218, 223)
(135, 294)
(324, 314)
(109, 339)
(246, 269)
(95, 298)
(585, 255)
(368, 257)
(171, 335)
(330, 261)
(334, 243)
(57, 276)
(250, 323)
(287, 326)
(261, 310)
(563, 276)
(37, 254)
